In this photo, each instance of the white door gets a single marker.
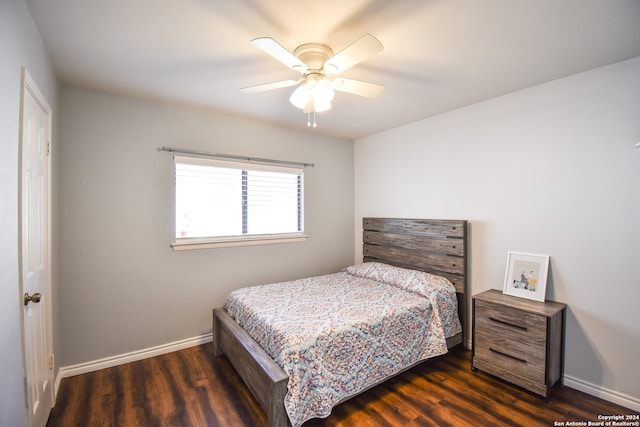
(35, 256)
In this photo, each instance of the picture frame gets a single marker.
(526, 276)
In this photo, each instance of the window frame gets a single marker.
(190, 243)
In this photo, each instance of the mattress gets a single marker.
(336, 335)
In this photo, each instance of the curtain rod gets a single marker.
(230, 156)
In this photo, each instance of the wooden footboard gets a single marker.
(265, 379)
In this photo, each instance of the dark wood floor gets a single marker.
(192, 388)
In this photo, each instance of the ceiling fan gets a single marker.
(315, 61)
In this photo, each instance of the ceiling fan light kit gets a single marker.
(314, 61)
(313, 95)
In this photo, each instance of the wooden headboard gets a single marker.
(436, 246)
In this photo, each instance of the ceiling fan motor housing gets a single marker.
(314, 55)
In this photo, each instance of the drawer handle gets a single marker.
(523, 328)
(507, 355)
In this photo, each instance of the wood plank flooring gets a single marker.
(192, 388)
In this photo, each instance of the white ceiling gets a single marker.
(438, 54)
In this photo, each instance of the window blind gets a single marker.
(220, 199)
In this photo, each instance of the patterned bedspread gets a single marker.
(337, 334)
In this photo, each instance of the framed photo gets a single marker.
(526, 276)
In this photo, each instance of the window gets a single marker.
(224, 203)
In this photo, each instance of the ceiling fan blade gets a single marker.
(353, 54)
(269, 86)
(357, 87)
(276, 50)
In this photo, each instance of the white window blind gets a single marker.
(219, 200)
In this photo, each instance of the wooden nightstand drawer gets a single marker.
(518, 340)
(519, 357)
(512, 323)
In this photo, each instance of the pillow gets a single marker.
(437, 289)
(418, 282)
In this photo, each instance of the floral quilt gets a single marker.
(337, 334)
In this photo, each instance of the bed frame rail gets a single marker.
(264, 378)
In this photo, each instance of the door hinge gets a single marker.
(48, 147)
(51, 361)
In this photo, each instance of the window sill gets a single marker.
(225, 242)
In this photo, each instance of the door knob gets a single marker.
(32, 298)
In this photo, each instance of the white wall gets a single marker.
(122, 287)
(20, 45)
(549, 170)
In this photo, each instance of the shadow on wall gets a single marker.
(585, 361)
(581, 359)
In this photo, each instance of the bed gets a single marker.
(412, 287)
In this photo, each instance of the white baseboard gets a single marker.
(612, 396)
(108, 362)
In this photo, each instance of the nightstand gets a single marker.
(519, 340)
